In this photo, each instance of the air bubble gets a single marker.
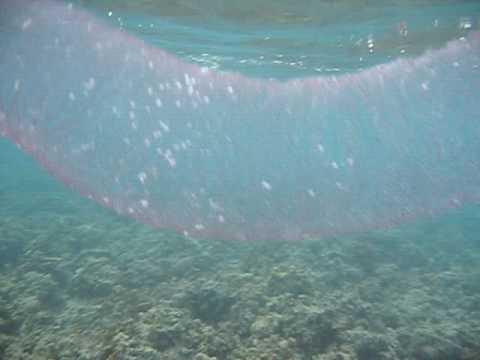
(266, 185)
(89, 84)
(142, 177)
(26, 24)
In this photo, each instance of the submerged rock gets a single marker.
(163, 338)
(372, 346)
(209, 303)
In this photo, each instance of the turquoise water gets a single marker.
(80, 282)
(292, 40)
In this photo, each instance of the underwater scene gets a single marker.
(254, 180)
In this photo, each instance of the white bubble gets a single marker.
(334, 165)
(71, 96)
(168, 155)
(89, 84)
(26, 24)
(144, 203)
(158, 102)
(171, 161)
(465, 23)
(214, 205)
(187, 79)
(311, 192)
(266, 185)
(199, 227)
(142, 177)
(320, 148)
(164, 126)
(370, 44)
(350, 161)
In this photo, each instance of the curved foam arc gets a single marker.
(221, 155)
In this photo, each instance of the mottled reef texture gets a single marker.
(79, 283)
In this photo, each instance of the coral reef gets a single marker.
(89, 285)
